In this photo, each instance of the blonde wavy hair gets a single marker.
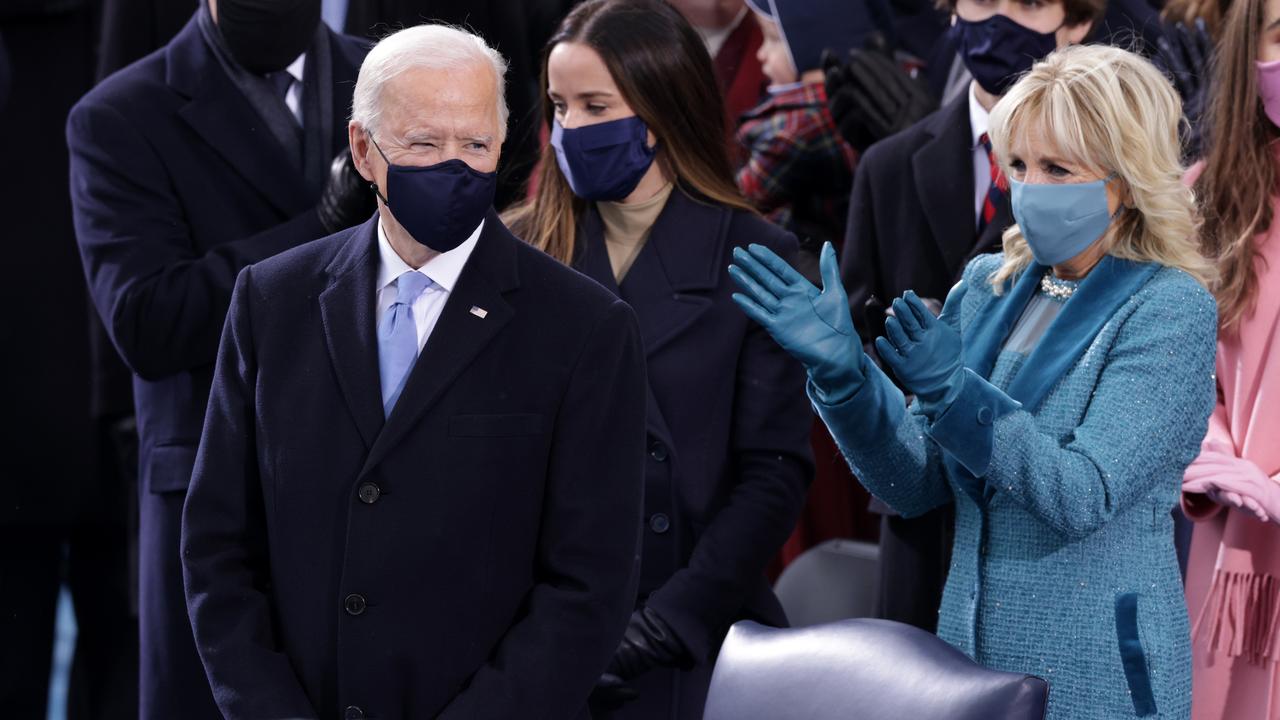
(1109, 110)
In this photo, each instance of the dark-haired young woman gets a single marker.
(637, 192)
(1233, 489)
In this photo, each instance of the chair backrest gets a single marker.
(835, 580)
(861, 669)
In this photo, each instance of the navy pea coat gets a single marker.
(472, 556)
(176, 185)
(727, 431)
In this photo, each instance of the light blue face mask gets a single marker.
(1061, 221)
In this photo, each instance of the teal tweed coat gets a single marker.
(1064, 466)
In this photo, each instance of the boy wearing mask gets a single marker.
(925, 202)
(799, 169)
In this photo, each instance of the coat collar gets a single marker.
(1095, 301)
(220, 115)
(668, 283)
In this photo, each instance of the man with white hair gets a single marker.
(418, 490)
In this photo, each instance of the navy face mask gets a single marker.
(605, 161)
(439, 205)
(998, 50)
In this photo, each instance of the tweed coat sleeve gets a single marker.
(887, 447)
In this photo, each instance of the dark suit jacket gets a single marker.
(911, 216)
(490, 525)
(177, 186)
(728, 432)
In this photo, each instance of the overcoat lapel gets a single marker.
(943, 173)
(459, 335)
(348, 312)
(221, 116)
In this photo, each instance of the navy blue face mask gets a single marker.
(439, 205)
(998, 50)
(605, 161)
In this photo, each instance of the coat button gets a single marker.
(353, 713)
(984, 416)
(659, 523)
(658, 452)
(355, 604)
(369, 493)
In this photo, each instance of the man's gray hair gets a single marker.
(439, 47)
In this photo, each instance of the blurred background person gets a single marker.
(1059, 397)
(65, 518)
(733, 40)
(186, 166)
(1233, 489)
(633, 195)
(925, 202)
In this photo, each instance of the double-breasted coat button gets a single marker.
(355, 604)
(353, 713)
(984, 416)
(658, 452)
(369, 493)
(659, 523)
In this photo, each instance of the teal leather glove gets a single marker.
(813, 325)
(924, 353)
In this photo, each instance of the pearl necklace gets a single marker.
(1057, 289)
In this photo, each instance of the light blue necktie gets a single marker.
(398, 337)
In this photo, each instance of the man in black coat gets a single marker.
(418, 491)
(207, 155)
(925, 202)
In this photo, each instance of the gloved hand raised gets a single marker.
(815, 326)
(923, 351)
(871, 97)
(346, 199)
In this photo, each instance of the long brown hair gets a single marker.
(1239, 178)
(1188, 11)
(665, 75)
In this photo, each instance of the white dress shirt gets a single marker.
(979, 121)
(443, 270)
(293, 98)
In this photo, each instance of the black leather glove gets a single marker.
(610, 694)
(648, 643)
(346, 199)
(871, 97)
(1184, 54)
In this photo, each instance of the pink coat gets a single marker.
(1233, 575)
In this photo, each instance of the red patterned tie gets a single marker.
(995, 193)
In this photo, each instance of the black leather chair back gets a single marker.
(861, 669)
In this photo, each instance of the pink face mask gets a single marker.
(1269, 88)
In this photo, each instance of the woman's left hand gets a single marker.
(923, 351)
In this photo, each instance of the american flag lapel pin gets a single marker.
(479, 311)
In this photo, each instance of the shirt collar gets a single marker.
(443, 269)
(297, 67)
(979, 118)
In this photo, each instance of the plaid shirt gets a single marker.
(800, 170)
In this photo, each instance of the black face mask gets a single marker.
(267, 35)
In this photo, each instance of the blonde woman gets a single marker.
(1059, 396)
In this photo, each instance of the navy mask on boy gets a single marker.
(439, 205)
(998, 50)
(605, 161)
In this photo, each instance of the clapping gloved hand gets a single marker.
(1234, 482)
(871, 97)
(1184, 54)
(346, 199)
(647, 643)
(813, 325)
(924, 353)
